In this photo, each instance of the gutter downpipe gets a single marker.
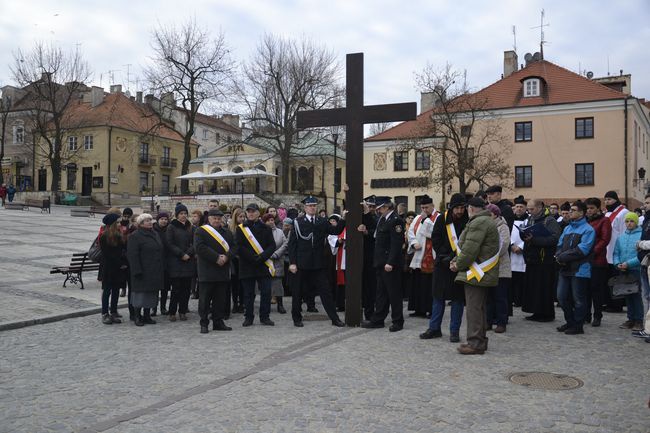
(110, 133)
(625, 150)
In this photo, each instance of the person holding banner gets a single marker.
(477, 264)
(255, 245)
(214, 247)
(306, 260)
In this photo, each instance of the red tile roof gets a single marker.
(560, 86)
(120, 111)
(217, 123)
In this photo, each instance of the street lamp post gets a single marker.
(335, 136)
(153, 176)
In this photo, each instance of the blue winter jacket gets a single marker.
(625, 249)
(574, 249)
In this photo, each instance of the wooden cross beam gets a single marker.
(353, 117)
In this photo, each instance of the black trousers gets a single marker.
(180, 295)
(368, 290)
(389, 295)
(213, 295)
(167, 284)
(597, 289)
(312, 281)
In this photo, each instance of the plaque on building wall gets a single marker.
(114, 179)
(98, 182)
(120, 144)
(380, 161)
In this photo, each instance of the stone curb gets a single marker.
(54, 318)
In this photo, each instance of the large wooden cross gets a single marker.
(353, 117)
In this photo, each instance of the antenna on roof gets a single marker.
(541, 34)
(514, 36)
(608, 65)
(128, 75)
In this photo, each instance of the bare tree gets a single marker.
(193, 66)
(282, 77)
(465, 139)
(53, 80)
(378, 128)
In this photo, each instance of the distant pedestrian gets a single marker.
(3, 193)
(11, 191)
(180, 262)
(114, 266)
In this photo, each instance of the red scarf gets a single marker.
(614, 214)
(427, 260)
(340, 273)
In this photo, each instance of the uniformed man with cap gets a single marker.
(505, 206)
(388, 261)
(369, 277)
(306, 259)
(213, 244)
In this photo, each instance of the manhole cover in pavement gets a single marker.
(542, 380)
(315, 317)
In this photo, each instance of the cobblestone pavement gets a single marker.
(79, 375)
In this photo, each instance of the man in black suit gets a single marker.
(388, 262)
(306, 242)
(369, 278)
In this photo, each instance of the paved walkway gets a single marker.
(78, 375)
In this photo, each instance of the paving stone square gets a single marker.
(78, 375)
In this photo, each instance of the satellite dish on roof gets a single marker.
(537, 56)
(528, 57)
(590, 75)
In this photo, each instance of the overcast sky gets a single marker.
(397, 37)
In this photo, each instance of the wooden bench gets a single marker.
(102, 210)
(84, 212)
(42, 204)
(79, 263)
(15, 205)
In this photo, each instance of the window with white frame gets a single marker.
(72, 143)
(531, 87)
(88, 142)
(19, 134)
(205, 134)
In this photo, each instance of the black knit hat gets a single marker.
(521, 200)
(180, 208)
(425, 199)
(110, 218)
(457, 199)
(611, 194)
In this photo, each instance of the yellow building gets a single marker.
(312, 170)
(119, 147)
(570, 137)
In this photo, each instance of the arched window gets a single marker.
(237, 169)
(260, 167)
(305, 179)
(215, 170)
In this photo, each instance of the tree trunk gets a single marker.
(286, 173)
(56, 174)
(185, 167)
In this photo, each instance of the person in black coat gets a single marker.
(180, 262)
(369, 278)
(388, 261)
(160, 227)
(214, 245)
(114, 267)
(145, 254)
(505, 206)
(444, 286)
(307, 261)
(255, 245)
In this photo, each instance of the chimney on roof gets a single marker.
(231, 119)
(148, 99)
(510, 63)
(116, 88)
(429, 100)
(96, 96)
(138, 97)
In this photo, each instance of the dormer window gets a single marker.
(531, 87)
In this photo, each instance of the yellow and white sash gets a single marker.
(217, 236)
(476, 270)
(257, 247)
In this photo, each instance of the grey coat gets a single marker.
(504, 254)
(180, 241)
(144, 251)
(281, 244)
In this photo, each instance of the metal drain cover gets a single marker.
(315, 317)
(548, 381)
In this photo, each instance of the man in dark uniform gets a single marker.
(306, 243)
(213, 245)
(369, 277)
(388, 262)
(505, 206)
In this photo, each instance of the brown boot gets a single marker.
(638, 326)
(466, 349)
(172, 317)
(500, 329)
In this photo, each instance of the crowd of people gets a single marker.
(482, 255)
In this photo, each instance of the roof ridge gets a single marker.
(374, 137)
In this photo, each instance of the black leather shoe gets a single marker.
(338, 323)
(371, 325)
(574, 331)
(247, 322)
(563, 327)
(298, 323)
(395, 328)
(204, 329)
(596, 322)
(454, 337)
(267, 322)
(430, 333)
(281, 309)
(138, 321)
(312, 310)
(221, 326)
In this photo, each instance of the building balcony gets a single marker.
(147, 160)
(168, 163)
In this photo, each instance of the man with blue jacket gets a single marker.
(573, 255)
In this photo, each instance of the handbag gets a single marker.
(95, 251)
(623, 285)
